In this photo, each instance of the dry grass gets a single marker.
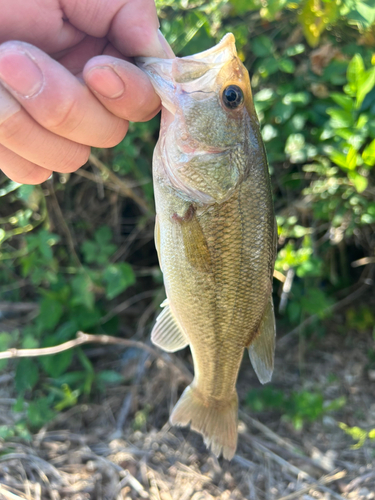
(93, 452)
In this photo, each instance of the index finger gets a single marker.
(131, 25)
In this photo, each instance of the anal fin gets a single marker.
(262, 350)
(167, 333)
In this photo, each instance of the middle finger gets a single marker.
(55, 98)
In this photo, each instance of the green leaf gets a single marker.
(118, 277)
(364, 85)
(55, 364)
(2, 234)
(243, 6)
(286, 65)
(90, 251)
(82, 291)
(340, 118)
(5, 343)
(364, 12)
(70, 398)
(314, 18)
(43, 241)
(27, 374)
(345, 101)
(50, 313)
(11, 186)
(355, 71)
(301, 98)
(294, 50)
(262, 46)
(39, 412)
(110, 377)
(268, 67)
(316, 302)
(99, 250)
(351, 158)
(368, 154)
(338, 158)
(359, 181)
(264, 95)
(355, 433)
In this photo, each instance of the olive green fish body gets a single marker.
(215, 236)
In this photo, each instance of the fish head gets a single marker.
(209, 124)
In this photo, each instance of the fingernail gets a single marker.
(105, 81)
(8, 105)
(165, 46)
(20, 73)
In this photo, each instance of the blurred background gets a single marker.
(77, 253)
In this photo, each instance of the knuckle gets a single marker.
(115, 135)
(30, 174)
(10, 127)
(65, 116)
(78, 159)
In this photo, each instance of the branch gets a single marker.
(82, 338)
(87, 338)
(122, 186)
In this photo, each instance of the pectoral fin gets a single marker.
(195, 244)
(167, 333)
(262, 350)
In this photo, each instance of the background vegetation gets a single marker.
(77, 253)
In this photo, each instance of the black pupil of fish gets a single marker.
(232, 96)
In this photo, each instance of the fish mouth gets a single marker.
(187, 74)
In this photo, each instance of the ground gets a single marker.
(121, 447)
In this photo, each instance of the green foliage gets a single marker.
(358, 434)
(297, 408)
(316, 109)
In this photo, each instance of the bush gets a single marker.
(79, 248)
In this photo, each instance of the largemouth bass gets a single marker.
(215, 234)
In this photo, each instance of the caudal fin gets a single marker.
(217, 424)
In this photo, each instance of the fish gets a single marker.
(215, 234)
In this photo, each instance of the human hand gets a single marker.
(67, 82)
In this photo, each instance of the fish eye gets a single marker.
(232, 96)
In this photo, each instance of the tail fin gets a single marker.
(218, 425)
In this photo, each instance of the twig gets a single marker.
(287, 286)
(358, 481)
(293, 450)
(64, 225)
(13, 286)
(87, 338)
(34, 458)
(82, 338)
(18, 307)
(127, 303)
(269, 433)
(279, 276)
(122, 186)
(318, 484)
(363, 262)
(8, 495)
(293, 469)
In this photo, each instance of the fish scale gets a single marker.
(215, 234)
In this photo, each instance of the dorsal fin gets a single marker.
(167, 333)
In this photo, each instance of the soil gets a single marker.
(120, 446)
